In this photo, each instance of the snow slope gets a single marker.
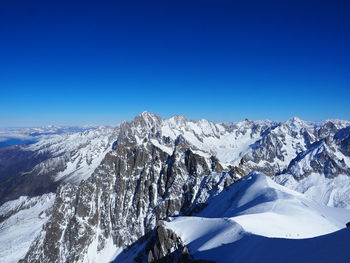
(252, 248)
(20, 222)
(258, 211)
(25, 135)
(329, 191)
(77, 154)
(266, 208)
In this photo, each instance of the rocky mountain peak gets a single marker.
(147, 120)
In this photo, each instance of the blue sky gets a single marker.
(101, 62)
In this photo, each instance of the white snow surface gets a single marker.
(24, 219)
(80, 153)
(202, 233)
(258, 209)
(107, 254)
(39, 133)
(328, 191)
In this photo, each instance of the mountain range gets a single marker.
(176, 190)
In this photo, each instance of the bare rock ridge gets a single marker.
(164, 246)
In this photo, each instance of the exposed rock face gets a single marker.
(164, 246)
(13, 184)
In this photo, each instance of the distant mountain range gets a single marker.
(176, 190)
(27, 135)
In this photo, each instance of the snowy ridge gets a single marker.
(253, 220)
(289, 214)
(77, 154)
(260, 208)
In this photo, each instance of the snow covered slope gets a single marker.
(20, 222)
(333, 192)
(40, 167)
(266, 208)
(257, 210)
(79, 153)
(224, 241)
(26, 135)
(233, 245)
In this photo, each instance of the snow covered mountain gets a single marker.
(263, 213)
(322, 171)
(40, 167)
(110, 188)
(21, 221)
(27, 135)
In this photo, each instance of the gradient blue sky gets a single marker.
(101, 62)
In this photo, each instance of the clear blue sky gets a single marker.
(72, 62)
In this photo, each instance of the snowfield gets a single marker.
(80, 153)
(333, 192)
(258, 215)
(23, 220)
(254, 248)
